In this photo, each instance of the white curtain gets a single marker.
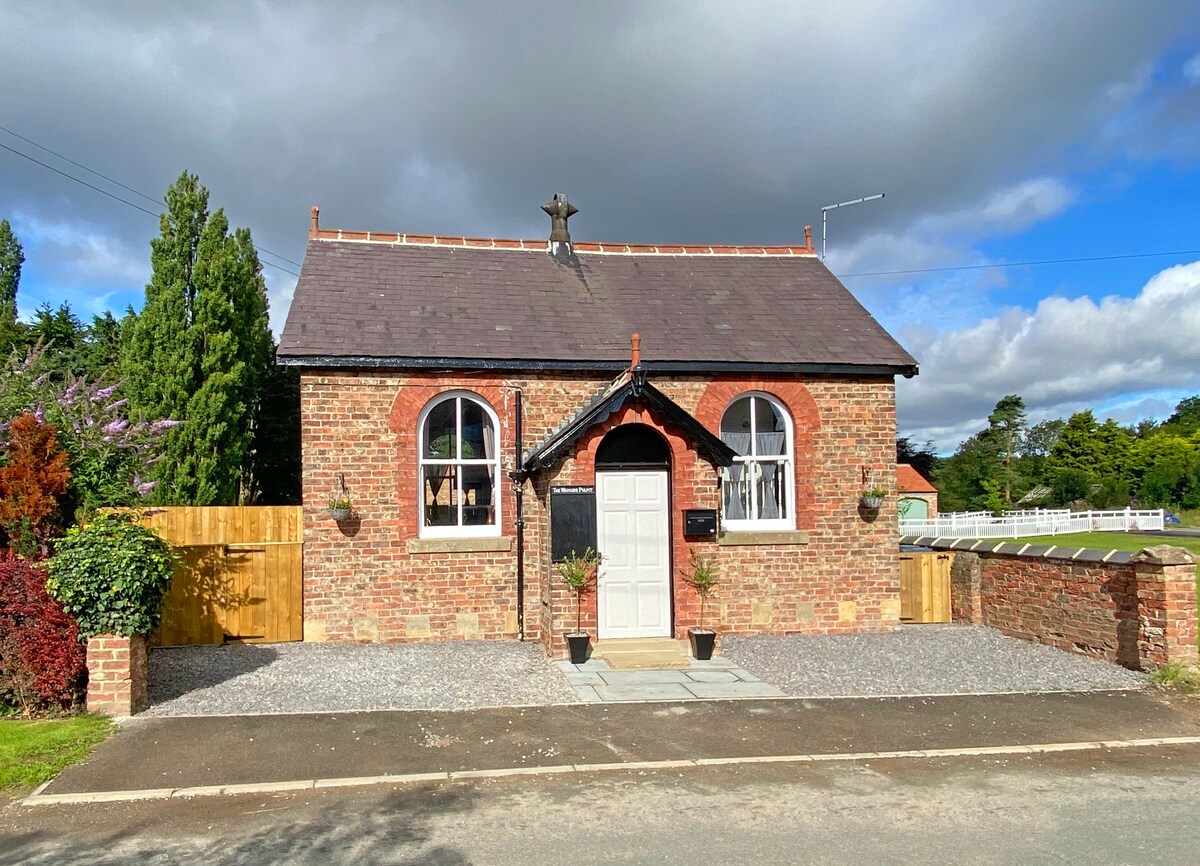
(768, 491)
(739, 442)
(770, 443)
(736, 489)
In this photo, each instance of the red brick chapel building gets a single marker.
(486, 407)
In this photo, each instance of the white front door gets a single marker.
(634, 537)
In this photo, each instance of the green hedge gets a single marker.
(111, 576)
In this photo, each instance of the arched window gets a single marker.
(758, 490)
(459, 467)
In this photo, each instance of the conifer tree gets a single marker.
(199, 350)
(12, 256)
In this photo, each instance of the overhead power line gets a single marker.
(115, 197)
(77, 180)
(1022, 264)
(149, 198)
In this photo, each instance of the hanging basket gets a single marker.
(872, 502)
(339, 514)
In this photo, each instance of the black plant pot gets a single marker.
(579, 647)
(703, 640)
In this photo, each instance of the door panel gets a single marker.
(633, 534)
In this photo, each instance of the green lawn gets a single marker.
(33, 751)
(1110, 541)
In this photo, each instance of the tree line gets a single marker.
(195, 366)
(1076, 462)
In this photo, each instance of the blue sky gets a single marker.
(1000, 133)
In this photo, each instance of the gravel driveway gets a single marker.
(921, 659)
(310, 678)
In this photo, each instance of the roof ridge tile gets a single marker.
(597, 247)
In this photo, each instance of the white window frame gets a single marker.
(787, 459)
(458, 531)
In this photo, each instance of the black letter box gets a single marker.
(700, 521)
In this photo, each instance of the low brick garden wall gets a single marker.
(117, 675)
(1136, 609)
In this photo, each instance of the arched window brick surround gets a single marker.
(413, 395)
(806, 424)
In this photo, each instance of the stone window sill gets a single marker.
(491, 544)
(764, 537)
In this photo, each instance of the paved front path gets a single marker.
(158, 753)
(594, 681)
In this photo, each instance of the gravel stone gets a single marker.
(921, 659)
(307, 678)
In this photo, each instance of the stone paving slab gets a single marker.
(711, 691)
(644, 692)
(717, 678)
(643, 678)
(713, 676)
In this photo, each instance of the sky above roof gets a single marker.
(1000, 133)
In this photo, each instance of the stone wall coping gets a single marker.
(1165, 554)
(1052, 551)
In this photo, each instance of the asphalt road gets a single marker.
(1126, 806)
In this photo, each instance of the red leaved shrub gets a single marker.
(32, 480)
(43, 666)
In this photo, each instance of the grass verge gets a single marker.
(31, 752)
(1178, 677)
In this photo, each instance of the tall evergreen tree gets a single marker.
(12, 256)
(199, 350)
(1007, 425)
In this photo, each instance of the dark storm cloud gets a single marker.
(664, 121)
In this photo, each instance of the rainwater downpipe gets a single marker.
(519, 492)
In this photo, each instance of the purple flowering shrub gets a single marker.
(109, 453)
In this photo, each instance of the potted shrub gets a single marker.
(579, 574)
(340, 507)
(702, 577)
(874, 497)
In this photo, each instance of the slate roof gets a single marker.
(425, 302)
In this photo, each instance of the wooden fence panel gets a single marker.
(925, 587)
(239, 576)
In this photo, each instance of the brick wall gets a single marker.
(1138, 610)
(117, 675)
(369, 579)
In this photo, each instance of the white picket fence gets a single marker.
(1040, 521)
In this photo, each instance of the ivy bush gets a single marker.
(42, 663)
(111, 575)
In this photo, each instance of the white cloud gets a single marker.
(1191, 69)
(79, 253)
(945, 238)
(1065, 352)
(280, 287)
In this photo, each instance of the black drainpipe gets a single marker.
(519, 482)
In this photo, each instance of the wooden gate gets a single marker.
(925, 587)
(239, 576)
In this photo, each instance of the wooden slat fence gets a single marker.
(239, 576)
(925, 586)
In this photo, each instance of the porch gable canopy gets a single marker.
(629, 385)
